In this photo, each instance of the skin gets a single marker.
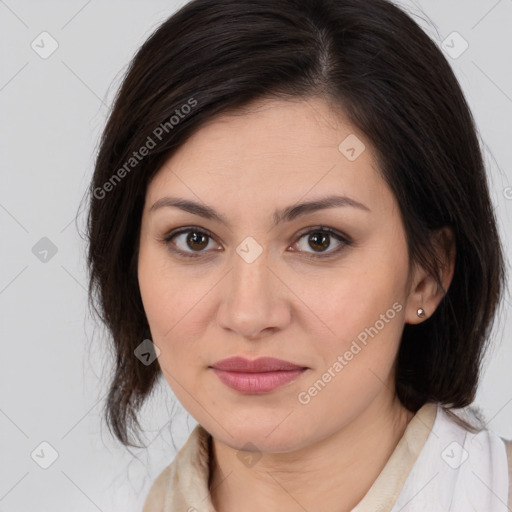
(323, 455)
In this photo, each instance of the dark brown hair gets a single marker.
(392, 82)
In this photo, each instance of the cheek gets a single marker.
(366, 314)
(366, 305)
(174, 301)
(365, 326)
(162, 303)
(162, 288)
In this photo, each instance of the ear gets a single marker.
(424, 292)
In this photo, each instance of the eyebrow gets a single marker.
(285, 215)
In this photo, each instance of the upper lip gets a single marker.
(262, 364)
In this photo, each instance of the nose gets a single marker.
(254, 299)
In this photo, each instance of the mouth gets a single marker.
(261, 375)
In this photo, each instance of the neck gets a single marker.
(332, 475)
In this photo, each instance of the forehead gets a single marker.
(272, 151)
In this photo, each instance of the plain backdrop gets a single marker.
(54, 366)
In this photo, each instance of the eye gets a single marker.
(320, 239)
(197, 239)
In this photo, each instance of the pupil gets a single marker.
(323, 239)
(193, 239)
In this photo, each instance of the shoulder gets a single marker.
(481, 483)
(156, 495)
(490, 453)
(508, 449)
(184, 478)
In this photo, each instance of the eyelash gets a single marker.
(344, 240)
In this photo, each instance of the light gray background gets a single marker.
(54, 364)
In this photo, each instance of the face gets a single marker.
(323, 288)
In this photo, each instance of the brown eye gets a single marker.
(197, 240)
(190, 242)
(320, 240)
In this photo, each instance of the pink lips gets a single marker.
(259, 376)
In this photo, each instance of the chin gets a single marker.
(264, 437)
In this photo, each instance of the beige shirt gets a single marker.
(183, 485)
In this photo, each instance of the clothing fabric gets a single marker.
(437, 466)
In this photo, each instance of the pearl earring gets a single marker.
(421, 312)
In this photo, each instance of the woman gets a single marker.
(290, 222)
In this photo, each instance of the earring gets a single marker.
(421, 312)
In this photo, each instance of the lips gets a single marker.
(262, 375)
(261, 365)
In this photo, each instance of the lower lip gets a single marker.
(256, 383)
